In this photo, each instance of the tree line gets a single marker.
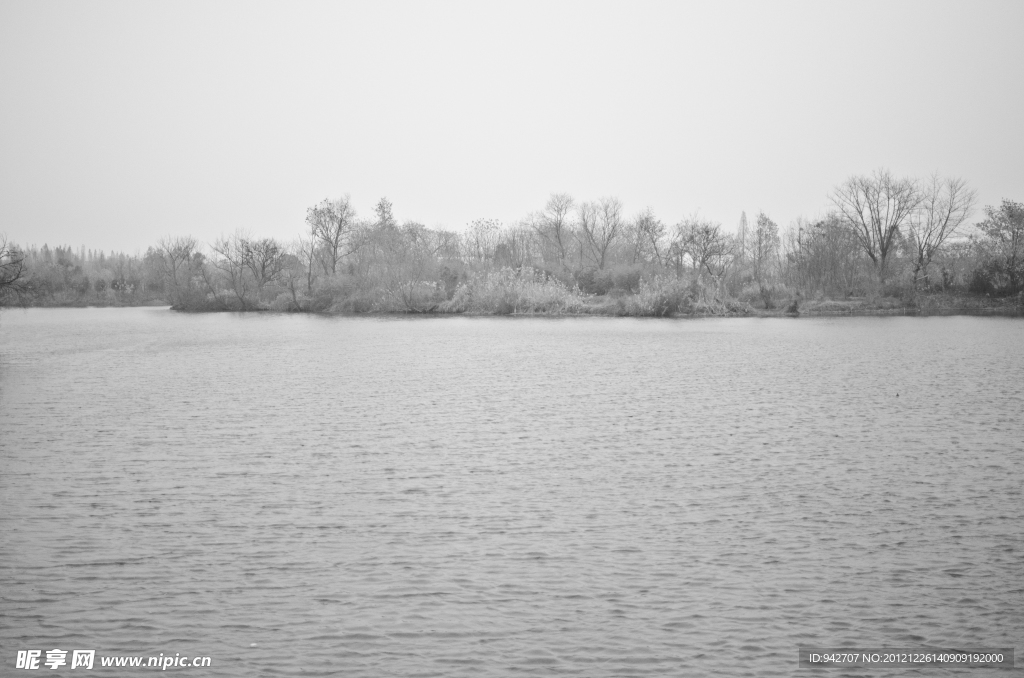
(882, 235)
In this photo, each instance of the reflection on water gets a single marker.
(483, 496)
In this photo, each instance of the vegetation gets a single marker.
(12, 268)
(887, 244)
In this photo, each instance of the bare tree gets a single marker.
(294, 274)
(742, 237)
(181, 265)
(945, 205)
(763, 247)
(763, 250)
(405, 265)
(331, 225)
(708, 248)
(481, 239)
(601, 224)
(875, 208)
(385, 218)
(306, 251)
(824, 255)
(514, 248)
(265, 259)
(448, 245)
(232, 253)
(176, 254)
(554, 227)
(12, 267)
(647, 233)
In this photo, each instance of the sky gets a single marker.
(125, 122)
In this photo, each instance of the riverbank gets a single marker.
(943, 304)
(89, 302)
(922, 305)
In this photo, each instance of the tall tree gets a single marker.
(331, 225)
(385, 219)
(306, 251)
(265, 259)
(763, 246)
(708, 248)
(648, 235)
(554, 227)
(231, 255)
(1004, 232)
(12, 267)
(741, 236)
(763, 253)
(481, 239)
(824, 255)
(602, 225)
(945, 205)
(875, 207)
(182, 266)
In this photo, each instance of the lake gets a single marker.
(298, 495)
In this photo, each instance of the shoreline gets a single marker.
(611, 307)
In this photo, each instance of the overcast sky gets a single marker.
(121, 123)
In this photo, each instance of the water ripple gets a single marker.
(596, 497)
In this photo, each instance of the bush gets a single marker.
(992, 278)
(416, 296)
(603, 281)
(626, 278)
(594, 281)
(284, 302)
(330, 291)
(357, 303)
(508, 291)
(660, 297)
(449, 281)
(749, 293)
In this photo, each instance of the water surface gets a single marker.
(491, 496)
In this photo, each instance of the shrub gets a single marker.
(660, 297)
(749, 293)
(992, 278)
(508, 291)
(283, 302)
(330, 291)
(449, 281)
(626, 278)
(594, 281)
